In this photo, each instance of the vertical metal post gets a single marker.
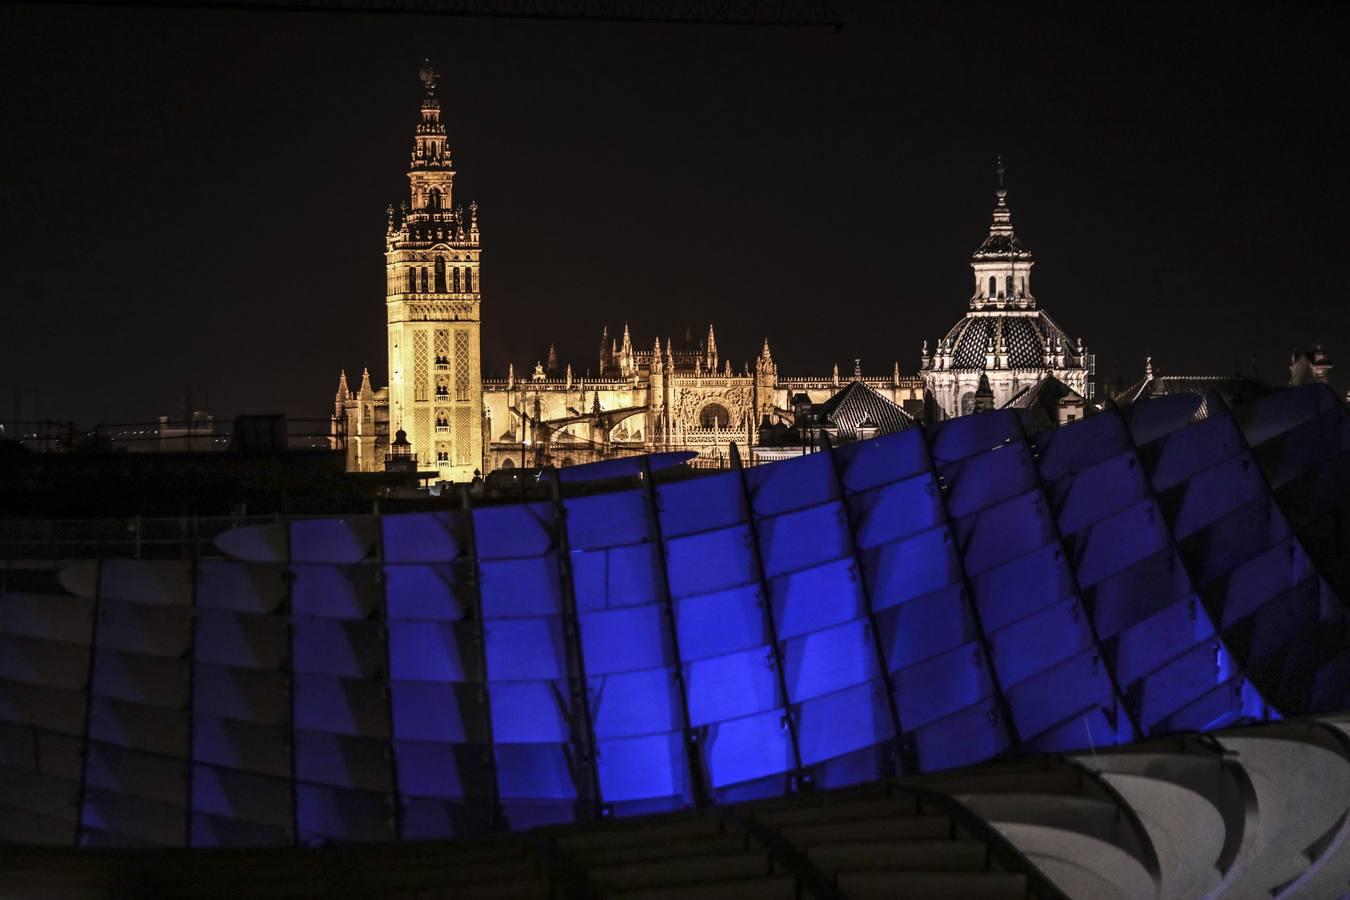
(192, 689)
(288, 611)
(800, 779)
(395, 795)
(96, 612)
(1166, 526)
(1089, 610)
(587, 773)
(968, 597)
(496, 815)
(903, 759)
(693, 755)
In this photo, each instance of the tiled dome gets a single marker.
(1027, 337)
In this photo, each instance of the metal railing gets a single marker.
(137, 537)
(165, 435)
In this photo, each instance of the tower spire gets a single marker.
(1002, 264)
(429, 253)
(1002, 214)
(429, 147)
(343, 393)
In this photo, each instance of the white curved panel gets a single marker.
(1301, 790)
(1186, 830)
(1083, 867)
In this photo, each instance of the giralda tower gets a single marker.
(433, 299)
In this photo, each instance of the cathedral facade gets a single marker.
(663, 397)
(660, 396)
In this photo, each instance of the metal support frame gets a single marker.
(1151, 492)
(589, 803)
(968, 597)
(1088, 607)
(191, 689)
(812, 881)
(694, 757)
(288, 609)
(776, 13)
(95, 613)
(903, 760)
(395, 795)
(496, 816)
(800, 778)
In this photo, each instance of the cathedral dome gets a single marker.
(1006, 344)
(1024, 337)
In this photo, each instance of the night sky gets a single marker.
(195, 201)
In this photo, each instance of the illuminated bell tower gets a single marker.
(433, 299)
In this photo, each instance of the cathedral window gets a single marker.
(412, 281)
(456, 279)
(434, 197)
(440, 274)
(468, 280)
(993, 285)
(1010, 285)
(424, 279)
(714, 415)
(967, 403)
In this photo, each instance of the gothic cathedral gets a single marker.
(1006, 353)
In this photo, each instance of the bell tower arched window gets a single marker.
(1009, 289)
(440, 274)
(412, 281)
(424, 279)
(993, 285)
(456, 279)
(468, 280)
(434, 196)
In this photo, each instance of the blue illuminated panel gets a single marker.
(915, 602)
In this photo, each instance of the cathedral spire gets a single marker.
(1002, 214)
(1002, 265)
(343, 393)
(429, 147)
(366, 391)
(710, 359)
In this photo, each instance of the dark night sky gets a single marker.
(196, 199)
